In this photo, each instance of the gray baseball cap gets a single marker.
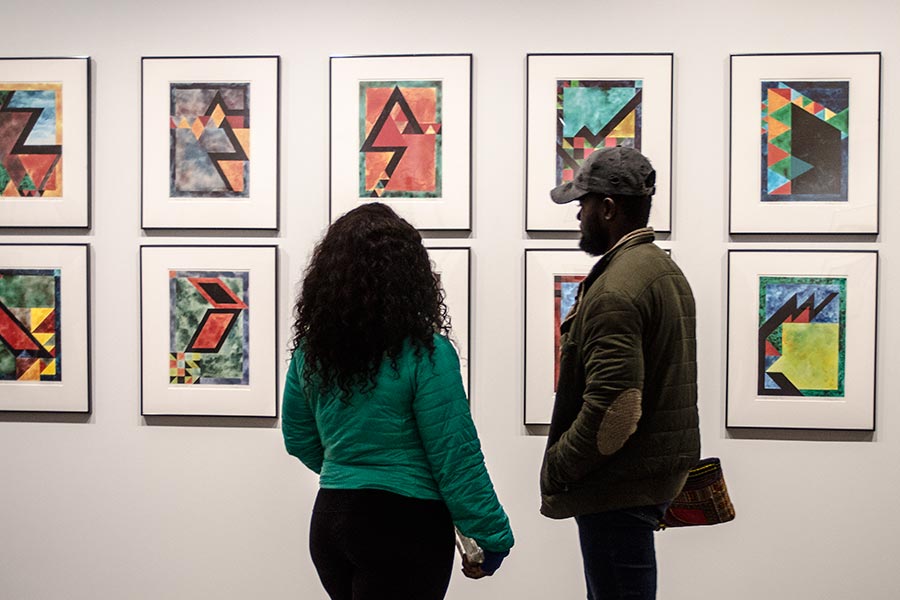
(611, 171)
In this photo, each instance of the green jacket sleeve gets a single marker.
(612, 353)
(454, 453)
(298, 423)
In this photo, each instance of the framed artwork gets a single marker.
(401, 134)
(45, 328)
(577, 103)
(805, 137)
(45, 142)
(801, 339)
(208, 334)
(551, 285)
(209, 134)
(453, 265)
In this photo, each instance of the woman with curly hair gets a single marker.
(374, 403)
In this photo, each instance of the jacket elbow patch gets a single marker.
(619, 422)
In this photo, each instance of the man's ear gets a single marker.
(608, 208)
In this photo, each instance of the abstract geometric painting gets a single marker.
(400, 139)
(30, 325)
(209, 147)
(209, 328)
(594, 114)
(802, 336)
(805, 145)
(31, 130)
(565, 292)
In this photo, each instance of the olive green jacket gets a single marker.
(624, 431)
(412, 435)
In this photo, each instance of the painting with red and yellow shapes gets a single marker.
(30, 325)
(565, 292)
(31, 131)
(400, 139)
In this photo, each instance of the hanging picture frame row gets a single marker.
(208, 345)
(802, 328)
(801, 331)
(804, 156)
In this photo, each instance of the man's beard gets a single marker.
(595, 242)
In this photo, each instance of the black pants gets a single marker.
(372, 545)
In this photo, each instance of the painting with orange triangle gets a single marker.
(31, 131)
(400, 139)
(209, 149)
(30, 325)
(805, 141)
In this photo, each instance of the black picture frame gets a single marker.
(67, 209)
(453, 212)
(261, 212)
(259, 396)
(855, 409)
(852, 209)
(68, 389)
(543, 69)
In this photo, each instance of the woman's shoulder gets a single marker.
(444, 347)
(445, 355)
(442, 351)
(298, 357)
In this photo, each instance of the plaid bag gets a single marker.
(703, 499)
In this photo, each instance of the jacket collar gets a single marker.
(644, 235)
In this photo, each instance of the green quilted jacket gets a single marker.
(412, 435)
(624, 431)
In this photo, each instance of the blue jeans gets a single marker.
(619, 554)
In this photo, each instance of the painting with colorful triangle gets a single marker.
(31, 131)
(593, 114)
(400, 133)
(802, 336)
(565, 292)
(209, 142)
(209, 327)
(805, 141)
(30, 310)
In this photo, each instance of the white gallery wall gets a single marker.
(118, 506)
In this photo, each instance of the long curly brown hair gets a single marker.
(368, 288)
